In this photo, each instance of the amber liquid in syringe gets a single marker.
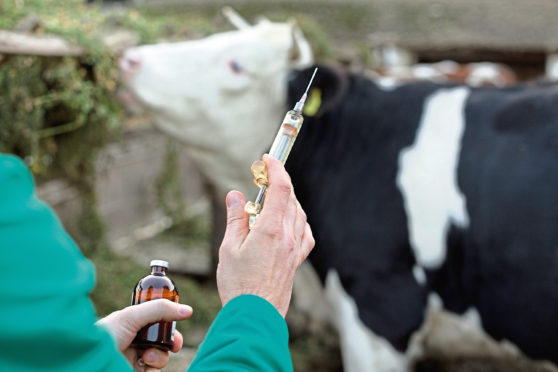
(282, 145)
(286, 136)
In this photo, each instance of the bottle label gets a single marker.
(172, 331)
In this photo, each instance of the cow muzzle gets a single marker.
(129, 64)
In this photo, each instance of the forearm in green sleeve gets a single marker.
(248, 334)
(46, 316)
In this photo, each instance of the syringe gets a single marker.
(280, 150)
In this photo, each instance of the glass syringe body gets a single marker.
(280, 150)
(286, 135)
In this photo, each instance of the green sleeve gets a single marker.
(46, 316)
(248, 334)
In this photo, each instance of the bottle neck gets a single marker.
(158, 270)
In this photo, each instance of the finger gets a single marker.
(155, 358)
(279, 190)
(300, 223)
(307, 242)
(139, 364)
(237, 221)
(290, 218)
(138, 316)
(178, 341)
(131, 355)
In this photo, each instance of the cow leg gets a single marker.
(361, 349)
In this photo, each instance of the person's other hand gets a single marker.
(125, 324)
(263, 261)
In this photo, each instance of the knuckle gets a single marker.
(274, 232)
(285, 187)
(311, 242)
(120, 316)
(129, 317)
(302, 215)
(288, 177)
(290, 242)
(233, 219)
(166, 306)
(309, 237)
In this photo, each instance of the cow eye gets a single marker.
(236, 67)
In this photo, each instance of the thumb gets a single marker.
(237, 220)
(138, 316)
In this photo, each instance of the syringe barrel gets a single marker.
(286, 136)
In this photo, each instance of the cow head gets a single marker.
(222, 96)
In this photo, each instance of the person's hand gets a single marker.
(263, 261)
(125, 324)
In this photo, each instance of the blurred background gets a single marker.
(127, 193)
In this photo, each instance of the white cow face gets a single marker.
(223, 95)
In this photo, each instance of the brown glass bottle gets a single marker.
(154, 286)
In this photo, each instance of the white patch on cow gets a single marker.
(551, 67)
(419, 274)
(387, 83)
(361, 349)
(473, 317)
(434, 302)
(427, 176)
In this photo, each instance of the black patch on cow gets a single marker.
(508, 171)
(343, 167)
(528, 112)
(455, 281)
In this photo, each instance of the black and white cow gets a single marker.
(410, 189)
(426, 188)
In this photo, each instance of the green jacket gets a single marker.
(46, 316)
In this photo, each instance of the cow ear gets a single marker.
(328, 89)
(300, 55)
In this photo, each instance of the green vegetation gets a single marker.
(58, 112)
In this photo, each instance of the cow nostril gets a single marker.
(129, 62)
(134, 63)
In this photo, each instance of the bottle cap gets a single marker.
(161, 263)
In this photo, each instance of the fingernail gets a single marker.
(184, 310)
(233, 199)
(149, 357)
